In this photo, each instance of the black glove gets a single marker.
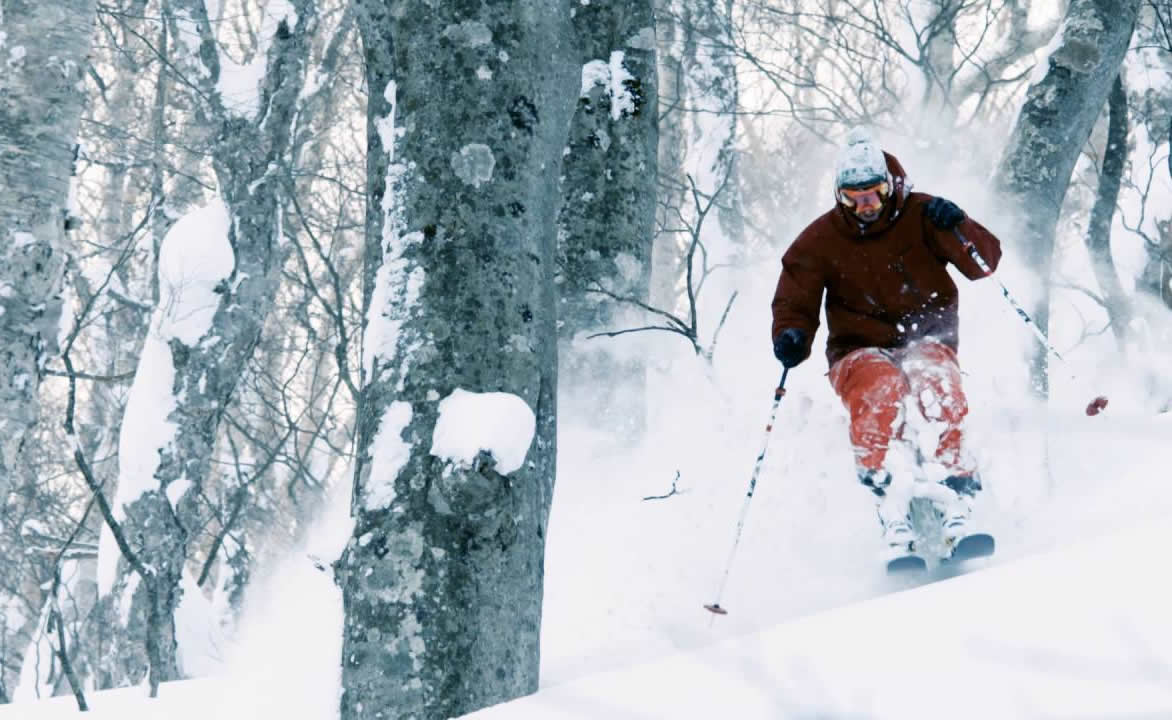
(790, 347)
(944, 214)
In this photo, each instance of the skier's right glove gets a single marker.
(790, 347)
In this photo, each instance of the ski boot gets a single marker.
(899, 538)
(960, 542)
(900, 548)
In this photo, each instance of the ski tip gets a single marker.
(906, 564)
(716, 609)
(974, 546)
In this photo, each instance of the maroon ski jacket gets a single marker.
(886, 283)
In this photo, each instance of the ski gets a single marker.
(970, 547)
(906, 564)
(973, 546)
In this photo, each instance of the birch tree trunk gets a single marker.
(1061, 105)
(43, 49)
(470, 105)
(607, 220)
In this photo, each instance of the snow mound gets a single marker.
(499, 423)
(1081, 632)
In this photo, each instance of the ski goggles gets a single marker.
(868, 196)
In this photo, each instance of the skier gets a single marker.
(879, 257)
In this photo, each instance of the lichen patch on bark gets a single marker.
(469, 33)
(474, 164)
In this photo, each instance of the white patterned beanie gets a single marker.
(860, 161)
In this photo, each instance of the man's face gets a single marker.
(866, 202)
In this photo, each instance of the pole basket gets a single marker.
(1097, 405)
(716, 609)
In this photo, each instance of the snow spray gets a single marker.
(1095, 406)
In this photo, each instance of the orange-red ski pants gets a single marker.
(879, 386)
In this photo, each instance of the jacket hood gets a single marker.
(846, 221)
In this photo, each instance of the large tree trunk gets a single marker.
(1103, 212)
(470, 105)
(43, 49)
(607, 220)
(1062, 103)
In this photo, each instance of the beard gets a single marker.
(870, 214)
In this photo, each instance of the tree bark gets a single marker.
(470, 105)
(25, 590)
(43, 48)
(1103, 212)
(669, 246)
(1061, 106)
(607, 220)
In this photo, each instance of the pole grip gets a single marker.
(971, 249)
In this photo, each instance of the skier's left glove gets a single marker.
(944, 214)
(790, 347)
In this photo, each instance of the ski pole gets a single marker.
(1100, 402)
(777, 395)
(1021, 313)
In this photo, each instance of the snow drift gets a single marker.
(1078, 633)
(1081, 632)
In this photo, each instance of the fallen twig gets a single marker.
(674, 490)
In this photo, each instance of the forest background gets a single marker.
(260, 259)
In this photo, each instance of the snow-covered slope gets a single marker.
(1081, 632)
(187, 700)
